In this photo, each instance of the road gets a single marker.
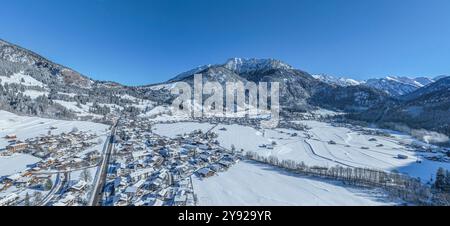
(100, 177)
(57, 185)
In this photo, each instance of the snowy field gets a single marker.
(20, 78)
(352, 149)
(15, 163)
(248, 184)
(29, 127)
(174, 129)
(163, 114)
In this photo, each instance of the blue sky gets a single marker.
(141, 42)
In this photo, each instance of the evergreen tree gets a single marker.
(48, 184)
(37, 198)
(27, 200)
(440, 182)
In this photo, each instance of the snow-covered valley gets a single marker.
(255, 184)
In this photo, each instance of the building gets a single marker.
(11, 136)
(80, 186)
(205, 172)
(9, 200)
(17, 147)
(68, 200)
(400, 156)
(140, 174)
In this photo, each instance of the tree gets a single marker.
(86, 175)
(233, 148)
(37, 198)
(440, 182)
(48, 184)
(27, 200)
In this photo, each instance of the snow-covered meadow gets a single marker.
(15, 163)
(250, 184)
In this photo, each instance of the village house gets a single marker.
(11, 136)
(79, 186)
(17, 147)
(205, 172)
(67, 200)
(140, 174)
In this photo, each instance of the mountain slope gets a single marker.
(299, 91)
(427, 107)
(398, 86)
(337, 81)
(393, 85)
(31, 84)
(23, 59)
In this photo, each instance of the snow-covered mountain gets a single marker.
(393, 85)
(13, 57)
(33, 85)
(243, 66)
(341, 81)
(398, 86)
(237, 66)
(299, 91)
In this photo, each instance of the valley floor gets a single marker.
(254, 184)
(249, 183)
(351, 148)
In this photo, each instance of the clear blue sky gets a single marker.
(140, 42)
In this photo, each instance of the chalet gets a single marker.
(157, 161)
(140, 174)
(140, 154)
(216, 167)
(180, 199)
(205, 172)
(68, 200)
(11, 136)
(23, 181)
(203, 147)
(79, 186)
(226, 163)
(400, 156)
(17, 147)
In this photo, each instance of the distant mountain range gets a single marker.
(33, 85)
(395, 86)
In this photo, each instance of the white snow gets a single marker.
(164, 114)
(253, 184)
(167, 86)
(35, 93)
(29, 127)
(81, 111)
(15, 163)
(19, 77)
(68, 94)
(174, 129)
(129, 97)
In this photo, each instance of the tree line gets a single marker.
(410, 190)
